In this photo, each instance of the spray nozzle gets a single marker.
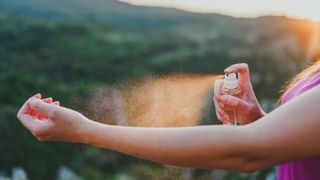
(230, 81)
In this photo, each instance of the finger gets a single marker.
(57, 103)
(43, 118)
(224, 120)
(220, 118)
(217, 86)
(48, 100)
(219, 112)
(232, 101)
(42, 107)
(38, 96)
(24, 107)
(226, 123)
(218, 101)
(223, 115)
(243, 71)
(34, 125)
(29, 122)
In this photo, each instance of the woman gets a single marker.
(289, 133)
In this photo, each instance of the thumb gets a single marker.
(42, 107)
(235, 102)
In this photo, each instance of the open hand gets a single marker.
(48, 121)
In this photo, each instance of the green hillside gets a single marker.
(67, 49)
(120, 15)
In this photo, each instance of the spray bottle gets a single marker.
(230, 87)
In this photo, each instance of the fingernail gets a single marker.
(57, 103)
(47, 100)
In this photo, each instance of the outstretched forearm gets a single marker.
(288, 133)
(206, 146)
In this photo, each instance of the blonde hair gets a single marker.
(309, 71)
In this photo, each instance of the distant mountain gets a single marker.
(200, 28)
(120, 15)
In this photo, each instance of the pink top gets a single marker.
(308, 169)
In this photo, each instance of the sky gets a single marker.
(302, 9)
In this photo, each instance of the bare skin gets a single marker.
(288, 133)
(247, 105)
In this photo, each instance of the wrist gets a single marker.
(94, 133)
(86, 131)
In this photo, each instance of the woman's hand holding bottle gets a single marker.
(245, 104)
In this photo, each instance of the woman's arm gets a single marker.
(288, 133)
(204, 147)
(291, 132)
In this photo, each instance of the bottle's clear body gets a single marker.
(234, 118)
